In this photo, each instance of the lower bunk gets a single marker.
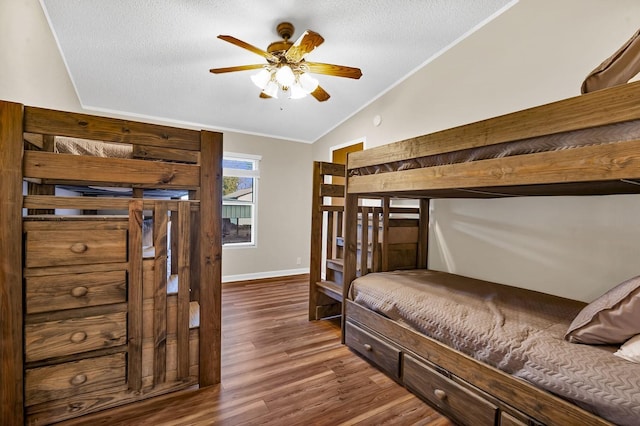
(489, 354)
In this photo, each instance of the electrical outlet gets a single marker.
(298, 261)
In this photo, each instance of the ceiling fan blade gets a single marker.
(304, 45)
(237, 68)
(320, 94)
(249, 47)
(335, 70)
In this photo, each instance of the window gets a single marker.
(239, 195)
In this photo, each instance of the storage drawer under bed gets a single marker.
(452, 399)
(378, 351)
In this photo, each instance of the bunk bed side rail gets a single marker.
(613, 105)
(584, 164)
(61, 123)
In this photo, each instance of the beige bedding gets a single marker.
(518, 331)
(75, 146)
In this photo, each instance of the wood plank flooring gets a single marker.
(280, 369)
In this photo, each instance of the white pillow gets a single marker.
(630, 350)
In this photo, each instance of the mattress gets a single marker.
(518, 331)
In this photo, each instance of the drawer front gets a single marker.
(73, 378)
(70, 291)
(507, 419)
(462, 405)
(75, 247)
(71, 336)
(381, 353)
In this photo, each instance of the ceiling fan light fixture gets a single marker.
(285, 76)
(297, 92)
(307, 83)
(261, 78)
(271, 89)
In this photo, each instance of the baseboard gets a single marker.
(262, 275)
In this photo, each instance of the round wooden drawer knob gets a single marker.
(79, 248)
(440, 394)
(79, 291)
(79, 336)
(78, 379)
(368, 347)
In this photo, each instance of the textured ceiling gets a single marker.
(151, 59)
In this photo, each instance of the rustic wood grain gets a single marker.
(47, 121)
(59, 337)
(184, 279)
(160, 222)
(315, 251)
(210, 239)
(613, 105)
(423, 237)
(73, 378)
(70, 291)
(279, 368)
(98, 170)
(11, 358)
(584, 164)
(135, 292)
(95, 203)
(69, 247)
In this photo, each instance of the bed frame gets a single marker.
(391, 242)
(469, 391)
(88, 321)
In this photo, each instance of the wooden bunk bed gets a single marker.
(587, 145)
(392, 240)
(96, 311)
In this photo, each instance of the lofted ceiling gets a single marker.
(151, 59)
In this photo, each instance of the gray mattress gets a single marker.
(518, 331)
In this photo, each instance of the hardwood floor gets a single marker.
(280, 369)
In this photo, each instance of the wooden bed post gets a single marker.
(350, 249)
(315, 262)
(210, 257)
(11, 358)
(423, 234)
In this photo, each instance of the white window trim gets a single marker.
(245, 173)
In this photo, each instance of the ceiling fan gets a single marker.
(286, 69)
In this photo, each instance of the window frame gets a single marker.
(255, 174)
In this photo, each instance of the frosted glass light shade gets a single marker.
(261, 78)
(271, 89)
(285, 76)
(297, 92)
(308, 83)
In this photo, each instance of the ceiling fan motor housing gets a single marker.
(284, 30)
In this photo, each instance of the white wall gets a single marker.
(32, 72)
(536, 52)
(284, 210)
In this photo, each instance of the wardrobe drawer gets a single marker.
(76, 335)
(381, 353)
(75, 247)
(461, 404)
(73, 378)
(69, 291)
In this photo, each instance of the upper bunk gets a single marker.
(585, 145)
